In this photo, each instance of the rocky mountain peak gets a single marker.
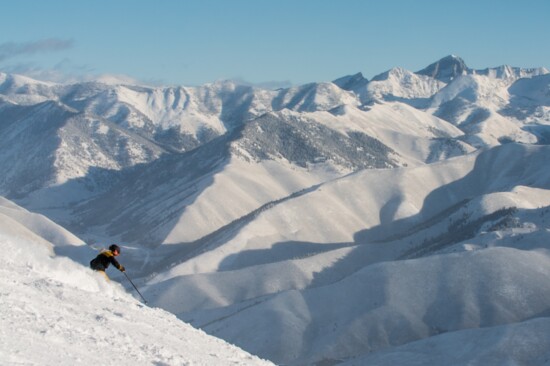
(446, 69)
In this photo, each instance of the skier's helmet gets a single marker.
(114, 247)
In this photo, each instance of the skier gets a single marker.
(106, 257)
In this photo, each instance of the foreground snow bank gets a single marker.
(55, 312)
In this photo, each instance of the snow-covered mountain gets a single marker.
(314, 267)
(351, 221)
(102, 127)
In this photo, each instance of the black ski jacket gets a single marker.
(102, 261)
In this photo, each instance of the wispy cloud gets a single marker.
(12, 49)
(66, 71)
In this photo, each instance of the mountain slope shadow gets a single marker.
(147, 198)
(139, 205)
(281, 251)
(495, 170)
(30, 140)
(499, 169)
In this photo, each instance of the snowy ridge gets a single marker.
(400, 84)
(149, 121)
(270, 158)
(446, 69)
(373, 206)
(302, 247)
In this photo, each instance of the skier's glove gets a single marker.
(122, 269)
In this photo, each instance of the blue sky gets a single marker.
(192, 42)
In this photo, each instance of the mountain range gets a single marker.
(349, 222)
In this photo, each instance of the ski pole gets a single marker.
(145, 301)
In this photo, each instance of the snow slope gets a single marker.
(373, 205)
(390, 304)
(524, 343)
(57, 312)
